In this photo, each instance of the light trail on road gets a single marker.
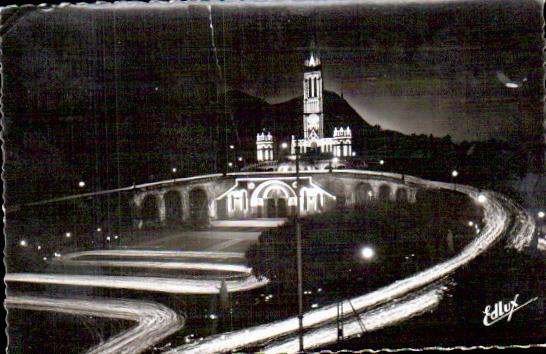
(155, 321)
(400, 300)
(157, 254)
(157, 284)
(386, 315)
(496, 210)
(72, 259)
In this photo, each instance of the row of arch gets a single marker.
(173, 208)
(364, 193)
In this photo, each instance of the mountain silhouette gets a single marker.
(252, 115)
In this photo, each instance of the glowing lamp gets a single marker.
(367, 252)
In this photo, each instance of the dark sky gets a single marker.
(434, 68)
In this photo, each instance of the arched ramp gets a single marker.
(173, 207)
(385, 192)
(363, 193)
(401, 195)
(199, 206)
(149, 211)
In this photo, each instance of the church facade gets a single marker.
(313, 141)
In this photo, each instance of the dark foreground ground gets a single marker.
(497, 276)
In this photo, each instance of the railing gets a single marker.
(117, 190)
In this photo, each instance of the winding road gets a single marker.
(155, 321)
(501, 218)
(396, 302)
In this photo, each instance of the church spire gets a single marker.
(314, 59)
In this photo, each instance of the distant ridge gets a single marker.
(252, 115)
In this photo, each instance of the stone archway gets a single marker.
(275, 203)
(272, 199)
(199, 206)
(173, 207)
(363, 193)
(401, 195)
(149, 211)
(385, 192)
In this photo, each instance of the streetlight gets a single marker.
(23, 243)
(382, 162)
(367, 253)
(230, 164)
(284, 145)
(99, 229)
(232, 147)
(68, 234)
(240, 159)
(541, 214)
(482, 198)
(298, 250)
(174, 169)
(81, 184)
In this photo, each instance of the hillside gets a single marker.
(195, 136)
(252, 115)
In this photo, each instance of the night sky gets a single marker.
(435, 69)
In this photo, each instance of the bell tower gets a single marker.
(312, 98)
(314, 142)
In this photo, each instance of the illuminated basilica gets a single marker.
(313, 141)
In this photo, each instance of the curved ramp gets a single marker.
(497, 223)
(155, 321)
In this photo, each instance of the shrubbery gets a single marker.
(406, 237)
